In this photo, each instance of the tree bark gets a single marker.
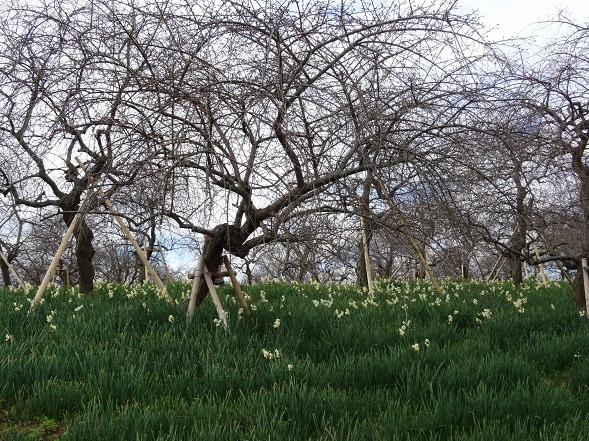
(578, 286)
(84, 251)
(582, 171)
(84, 255)
(5, 274)
(515, 267)
(420, 271)
(579, 289)
(361, 274)
(387, 271)
(226, 237)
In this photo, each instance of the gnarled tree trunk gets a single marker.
(84, 255)
(361, 273)
(582, 172)
(579, 288)
(5, 273)
(226, 237)
(84, 251)
(515, 267)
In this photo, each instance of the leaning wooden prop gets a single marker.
(199, 290)
(83, 208)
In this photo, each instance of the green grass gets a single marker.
(494, 362)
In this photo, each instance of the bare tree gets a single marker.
(64, 71)
(272, 106)
(556, 90)
(235, 120)
(42, 74)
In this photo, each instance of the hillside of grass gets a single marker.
(483, 361)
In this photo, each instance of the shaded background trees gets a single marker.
(556, 91)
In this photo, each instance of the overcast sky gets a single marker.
(514, 17)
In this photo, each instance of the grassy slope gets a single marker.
(493, 363)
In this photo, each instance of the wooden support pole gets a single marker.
(496, 268)
(201, 272)
(540, 266)
(145, 272)
(585, 283)
(11, 269)
(161, 251)
(158, 249)
(196, 282)
(214, 276)
(128, 234)
(236, 287)
(423, 262)
(366, 257)
(215, 296)
(558, 262)
(401, 265)
(564, 272)
(55, 261)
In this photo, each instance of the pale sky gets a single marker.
(513, 17)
